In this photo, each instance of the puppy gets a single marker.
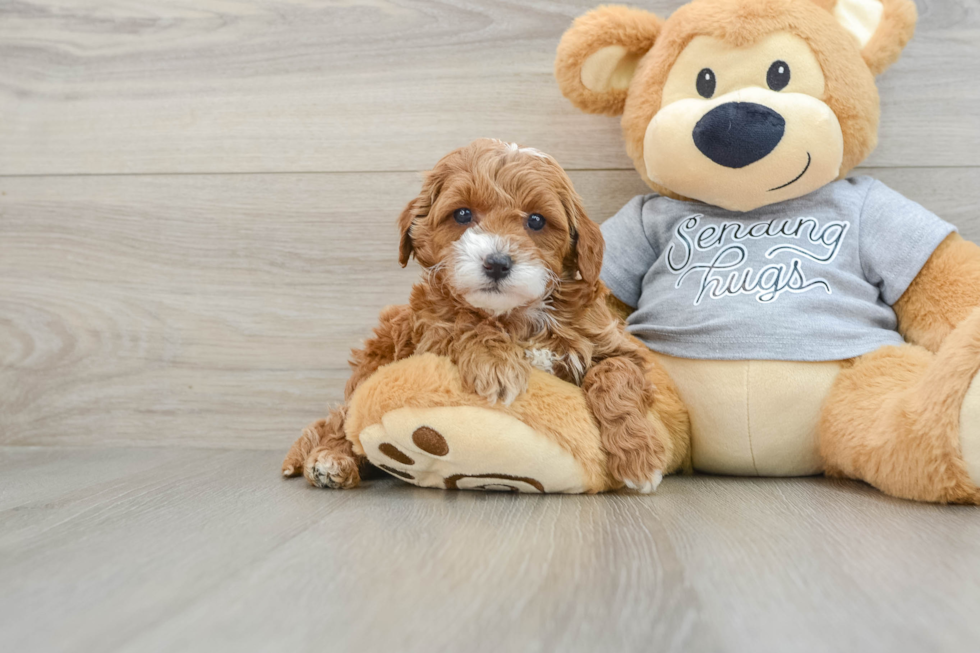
(510, 282)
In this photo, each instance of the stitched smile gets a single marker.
(809, 160)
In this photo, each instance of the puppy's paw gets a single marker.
(327, 469)
(646, 486)
(298, 453)
(499, 380)
(636, 454)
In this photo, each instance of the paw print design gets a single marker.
(470, 448)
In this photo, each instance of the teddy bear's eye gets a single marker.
(463, 216)
(706, 83)
(778, 75)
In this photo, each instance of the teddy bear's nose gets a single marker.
(737, 134)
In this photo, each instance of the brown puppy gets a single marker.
(511, 281)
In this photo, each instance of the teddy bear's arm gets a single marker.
(944, 293)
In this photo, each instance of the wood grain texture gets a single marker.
(148, 550)
(368, 85)
(191, 317)
(219, 310)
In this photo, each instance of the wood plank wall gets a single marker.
(197, 199)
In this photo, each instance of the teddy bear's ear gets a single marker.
(599, 53)
(881, 27)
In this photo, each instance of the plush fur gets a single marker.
(893, 418)
(492, 331)
(891, 37)
(552, 407)
(849, 70)
(632, 29)
(942, 295)
(904, 419)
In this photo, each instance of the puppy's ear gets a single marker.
(881, 27)
(598, 55)
(586, 237)
(589, 245)
(405, 220)
(417, 209)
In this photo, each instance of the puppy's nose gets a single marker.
(737, 134)
(497, 265)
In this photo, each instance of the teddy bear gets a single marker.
(803, 321)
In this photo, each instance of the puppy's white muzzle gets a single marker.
(525, 283)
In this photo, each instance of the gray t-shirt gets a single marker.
(810, 279)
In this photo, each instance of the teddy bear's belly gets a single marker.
(753, 418)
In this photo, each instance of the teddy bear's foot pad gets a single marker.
(470, 448)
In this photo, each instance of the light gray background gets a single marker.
(197, 205)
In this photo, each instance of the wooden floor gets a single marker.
(197, 206)
(207, 550)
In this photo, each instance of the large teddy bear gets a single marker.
(803, 322)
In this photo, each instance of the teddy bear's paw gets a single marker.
(648, 486)
(470, 448)
(326, 469)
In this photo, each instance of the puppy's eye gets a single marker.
(535, 222)
(706, 83)
(778, 75)
(463, 216)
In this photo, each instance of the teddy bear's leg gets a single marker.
(908, 421)
(324, 455)
(414, 420)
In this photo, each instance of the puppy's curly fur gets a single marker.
(549, 309)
